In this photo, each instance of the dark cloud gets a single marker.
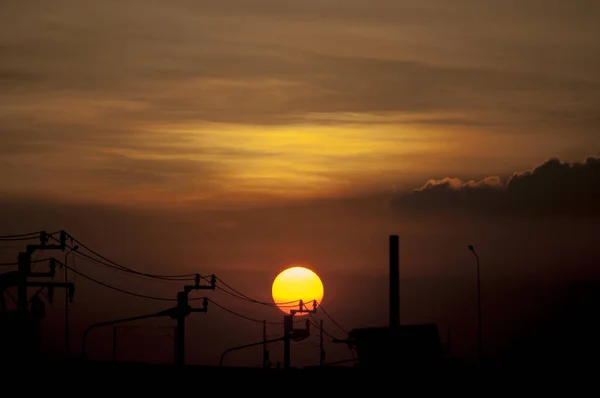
(554, 188)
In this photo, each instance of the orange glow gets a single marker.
(295, 284)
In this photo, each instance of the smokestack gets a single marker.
(394, 281)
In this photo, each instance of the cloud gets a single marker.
(144, 76)
(177, 64)
(554, 188)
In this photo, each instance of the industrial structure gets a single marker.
(396, 344)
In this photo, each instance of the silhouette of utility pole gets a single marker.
(179, 313)
(20, 279)
(183, 310)
(24, 268)
(479, 353)
(290, 333)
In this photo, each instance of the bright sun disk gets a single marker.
(295, 284)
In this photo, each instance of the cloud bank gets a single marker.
(554, 188)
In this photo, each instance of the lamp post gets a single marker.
(472, 249)
(67, 345)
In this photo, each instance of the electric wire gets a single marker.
(11, 296)
(247, 299)
(111, 264)
(331, 318)
(26, 236)
(239, 295)
(32, 262)
(124, 291)
(316, 325)
(112, 267)
(17, 239)
(21, 235)
(250, 299)
(242, 316)
(243, 297)
(129, 269)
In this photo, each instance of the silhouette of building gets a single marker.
(396, 344)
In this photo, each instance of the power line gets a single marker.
(331, 319)
(33, 262)
(112, 267)
(122, 290)
(118, 289)
(242, 316)
(2, 239)
(242, 296)
(129, 269)
(27, 236)
(20, 235)
(111, 264)
(11, 296)
(247, 298)
(316, 325)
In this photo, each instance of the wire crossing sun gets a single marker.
(295, 284)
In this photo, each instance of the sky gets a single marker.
(243, 137)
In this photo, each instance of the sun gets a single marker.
(295, 284)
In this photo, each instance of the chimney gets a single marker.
(394, 281)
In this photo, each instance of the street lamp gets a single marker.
(471, 248)
(67, 345)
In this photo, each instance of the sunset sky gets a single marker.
(244, 136)
(178, 101)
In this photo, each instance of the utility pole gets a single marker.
(321, 346)
(27, 331)
(179, 313)
(38, 310)
(290, 333)
(24, 266)
(182, 310)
